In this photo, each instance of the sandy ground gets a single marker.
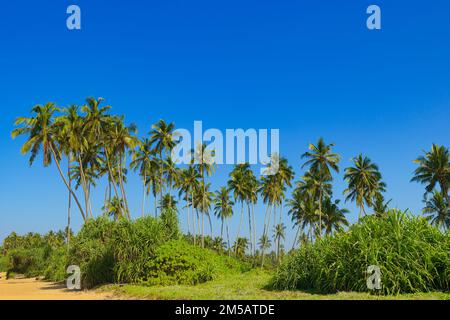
(32, 289)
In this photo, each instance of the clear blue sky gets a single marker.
(309, 68)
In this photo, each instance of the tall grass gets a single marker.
(412, 256)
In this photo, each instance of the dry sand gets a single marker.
(32, 289)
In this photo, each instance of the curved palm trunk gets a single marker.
(296, 237)
(84, 185)
(229, 244)
(250, 227)
(111, 177)
(67, 184)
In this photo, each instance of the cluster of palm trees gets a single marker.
(96, 144)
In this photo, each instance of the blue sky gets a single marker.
(309, 68)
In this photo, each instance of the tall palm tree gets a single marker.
(237, 184)
(333, 217)
(264, 244)
(364, 182)
(438, 210)
(120, 138)
(188, 184)
(303, 211)
(223, 207)
(142, 159)
(204, 163)
(161, 135)
(434, 168)
(202, 203)
(321, 162)
(278, 235)
(40, 131)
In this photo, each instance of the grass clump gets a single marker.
(412, 256)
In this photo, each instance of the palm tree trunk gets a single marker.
(221, 229)
(250, 227)
(70, 204)
(143, 195)
(240, 223)
(295, 239)
(160, 178)
(122, 188)
(229, 244)
(254, 230)
(67, 184)
(111, 177)
(266, 217)
(84, 184)
(320, 213)
(188, 207)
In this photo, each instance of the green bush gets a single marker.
(3, 263)
(29, 262)
(178, 262)
(56, 265)
(412, 256)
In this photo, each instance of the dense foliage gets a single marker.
(412, 255)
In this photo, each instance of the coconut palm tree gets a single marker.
(187, 185)
(223, 207)
(202, 203)
(333, 217)
(321, 162)
(204, 162)
(264, 244)
(278, 235)
(237, 184)
(380, 206)
(303, 211)
(40, 130)
(437, 210)
(113, 208)
(364, 182)
(141, 161)
(240, 246)
(161, 135)
(168, 202)
(434, 168)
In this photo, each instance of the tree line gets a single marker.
(97, 144)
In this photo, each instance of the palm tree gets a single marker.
(434, 168)
(278, 235)
(321, 162)
(202, 203)
(120, 138)
(40, 129)
(303, 212)
(142, 159)
(438, 210)
(204, 163)
(380, 206)
(333, 217)
(188, 184)
(240, 246)
(264, 244)
(161, 135)
(364, 182)
(168, 202)
(113, 208)
(223, 207)
(237, 184)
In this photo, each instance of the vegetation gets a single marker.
(92, 147)
(412, 256)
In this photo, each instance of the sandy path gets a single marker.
(32, 289)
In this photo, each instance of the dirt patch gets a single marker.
(32, 289)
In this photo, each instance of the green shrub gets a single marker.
(178, 262)
(29, 262)
(3, 263)
(135, 243)
(56, 265)
(412, 256)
